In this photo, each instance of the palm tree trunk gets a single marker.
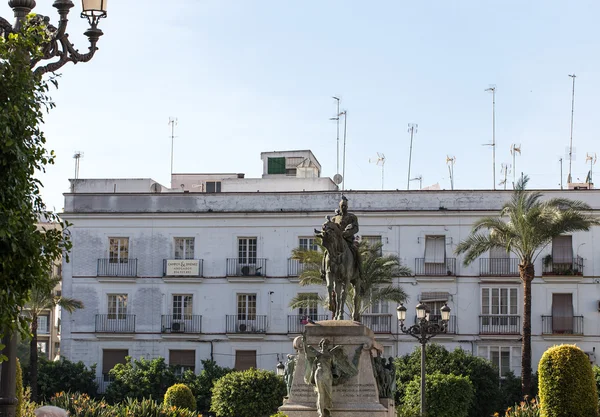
(527, 274)
(33, 359)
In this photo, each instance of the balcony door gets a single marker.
(562, 313)
(435, 255)
(247, 256)
(499, 262)
(246, 312)
(117, 307)
(118, 250)
(499, 310)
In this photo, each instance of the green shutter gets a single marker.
(276, 166)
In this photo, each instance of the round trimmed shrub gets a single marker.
(567, 387)
(446, 395)
(180, 396)
(251, 393)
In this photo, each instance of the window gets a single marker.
(310, 311)
(307, 243)
(42, 347)
(213, 186)
(184, 248)
(276, 165)
(379, 307)
(117, 306)
(499, 301)
(372, 241)
(503, 358)
(118, 250)
(42, 322)
(182, 307)
(245, 359)
(435, 249)
(387, 352)
(182, 360)
(111, 357)
(246, 306)
(562, 313)
(562, 250)
(247, 250)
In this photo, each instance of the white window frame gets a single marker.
(182, 306)
(514, 358)
(117, 306)
(247, 250)
(184, 247)
(307, 243)
(372, 240)
(43, 324)
(495, 303)
(118, 250)
(246, 306)
(311, 311)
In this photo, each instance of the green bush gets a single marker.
(567, 387)
(251, 393)
(63, 375)
(19, 389)
(446, 395)
(202, 384)
(140, 379)
(180, 395)
(483, 376)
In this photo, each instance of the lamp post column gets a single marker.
(423, 353)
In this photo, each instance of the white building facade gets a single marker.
(190, 275)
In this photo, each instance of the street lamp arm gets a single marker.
(5, 27)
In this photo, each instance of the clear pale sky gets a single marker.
(254, 75)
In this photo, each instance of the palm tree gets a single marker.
(42, 299)
(526, 225)
(377, 273)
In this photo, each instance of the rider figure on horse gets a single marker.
(348, 222)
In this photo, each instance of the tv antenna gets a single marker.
(592, 159)
(492, 88)
(571, 155)
(505, 170)
(337, 119)
(78, 155)
(412, 129)
(345, 114)
(573, 76)
(561, 173)
(514, 148)
(379, 161)
(173, 123)
(420, 179)
(451, 161)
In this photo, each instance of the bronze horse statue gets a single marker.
(342, 269)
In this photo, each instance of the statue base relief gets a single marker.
(355, 396)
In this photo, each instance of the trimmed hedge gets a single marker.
(251, 393)
(180, 396)
(446, 395)
(567, 387)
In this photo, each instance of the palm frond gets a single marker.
(306, 300)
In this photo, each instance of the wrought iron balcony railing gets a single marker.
(496, 324)
(115, 323)
(562, 325)
(246, 323)
(246, 267)
(422, 268)
(499, 267)
(575, 267)
(295, 267)
(113, 267)
(296, 323)
(379, 323)
(181, 323)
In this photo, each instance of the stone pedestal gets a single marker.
(359, 395)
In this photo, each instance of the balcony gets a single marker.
(115, 323)
(239, 324)
(423, 268)
(183, 268)
(496, 324)
(181, 324)
(296, 323)
(569, 268)
(242, 268)
(562, 325)
(499, 267)
(295, 267)
(117, 267)
(379, 323)
(437, 318)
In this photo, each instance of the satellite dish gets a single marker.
(337, 178)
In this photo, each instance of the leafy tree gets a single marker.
(63, 375)
(483, 376)
(526, 225)
(140, 379)
(202, 384)
(43, 299)
(26, 252)
(377, 273)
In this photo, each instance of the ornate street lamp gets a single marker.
(280, 369)
(423, 330)
(60, 50)
(59, 47)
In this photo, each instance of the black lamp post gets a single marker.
(59, 47)
(423, 331)
(59, 50)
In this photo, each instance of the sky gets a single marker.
(248, 76)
